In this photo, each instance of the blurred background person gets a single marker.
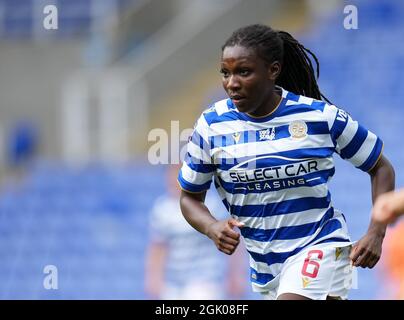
(182, 264)
(22, 147)
(389, 206)
(392, 269)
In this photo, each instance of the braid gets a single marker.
(297, 72)
(297, 69)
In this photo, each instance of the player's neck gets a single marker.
(268, 108)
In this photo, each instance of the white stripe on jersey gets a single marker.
(264, 268)
(221, 107)
(305, 100)
(198, 153)
(330, 111)
(240, 199)
(280, 246)
(196, 177)
(288, 220)
(285, 144)
(363, 153)
(347, 135)
(291, 103)
(228, 127)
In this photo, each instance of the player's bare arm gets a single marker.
(367, 251)
(198, 216)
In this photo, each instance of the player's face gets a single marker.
(247, 79)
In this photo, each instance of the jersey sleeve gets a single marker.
(197, 170)
(352, 141)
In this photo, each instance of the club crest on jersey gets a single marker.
(267, 134)
(236, 136)
(298, 129)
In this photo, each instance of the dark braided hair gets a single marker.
(297, 72)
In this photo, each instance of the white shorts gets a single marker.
(316, 272)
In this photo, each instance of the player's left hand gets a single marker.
(367, 251)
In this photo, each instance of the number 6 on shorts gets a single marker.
(312, 255)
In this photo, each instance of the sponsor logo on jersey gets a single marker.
(274, 177)
(306, 282)
(278, 172)
(267, 134)
(236, 136)
(338, 252)
(342, 115)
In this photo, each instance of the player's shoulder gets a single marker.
(300, 102)
(218, 112)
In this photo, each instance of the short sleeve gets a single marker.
(352, 141)
(197, 170)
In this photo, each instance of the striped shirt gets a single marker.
(272, 174)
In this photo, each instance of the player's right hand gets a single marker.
(223, 235)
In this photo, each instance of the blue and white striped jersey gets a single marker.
(272, 174)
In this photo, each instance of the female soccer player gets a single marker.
(269, 148)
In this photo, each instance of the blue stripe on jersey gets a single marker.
(292, 96)
(292, 109)
(374, 156)
(260, 278)
(198, 165)
(279, 208)
(274, 185)
(199, 141)
(287, 233)
(212, 117)
(187, 186)
(318, 127)
(337, 129)
(228, 164)
(300, 108)
(355, 144)
(225, 202)
(280, 257)
(230, 104)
